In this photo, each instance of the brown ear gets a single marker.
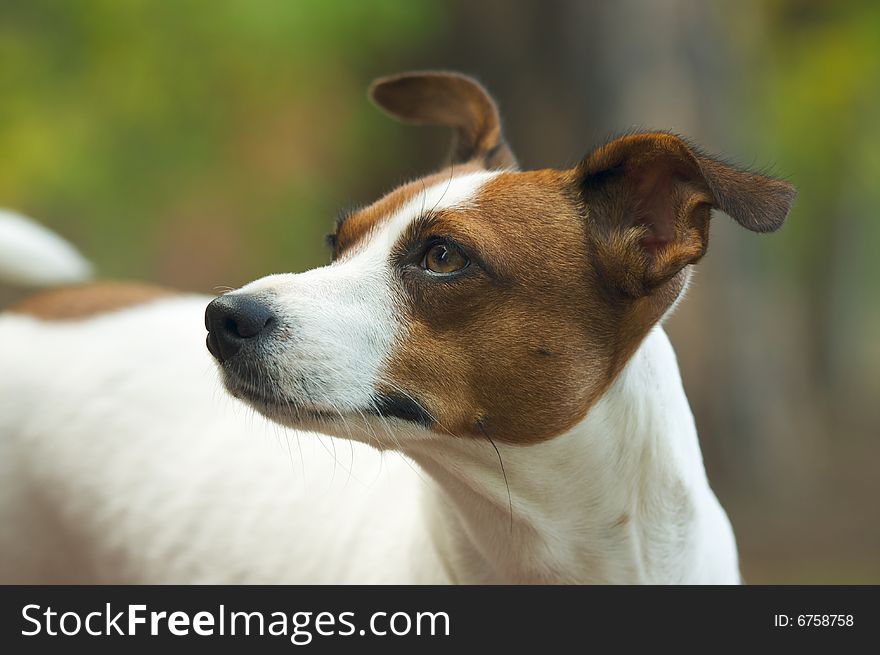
(452, 100)
(648, 199)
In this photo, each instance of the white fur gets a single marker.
(124, 459)
(31, 255)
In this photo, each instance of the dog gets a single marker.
(476, 389)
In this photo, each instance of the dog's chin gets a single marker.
(385, 413)
(277, 406)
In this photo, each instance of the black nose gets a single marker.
(233, 320)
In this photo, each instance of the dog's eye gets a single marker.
(444, 258)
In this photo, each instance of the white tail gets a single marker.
(33, 256)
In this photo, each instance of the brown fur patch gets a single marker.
(476, 353)
(88, 300)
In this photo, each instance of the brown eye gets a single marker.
(444, 259)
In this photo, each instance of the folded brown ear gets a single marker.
(648, 199)
(451, 100)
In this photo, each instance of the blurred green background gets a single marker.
(203, 144)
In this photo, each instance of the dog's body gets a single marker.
(504, 404)
(188, 485)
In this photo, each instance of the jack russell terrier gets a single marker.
(476, 389)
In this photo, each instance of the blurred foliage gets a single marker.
(817, 89)
(813, 99)
(155, 132)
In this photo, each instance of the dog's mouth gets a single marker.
(266, 396)
(402, 406)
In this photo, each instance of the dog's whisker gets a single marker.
(503, 472)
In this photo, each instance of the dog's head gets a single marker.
(483, 300)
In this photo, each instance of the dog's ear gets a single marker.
(648, 198)
(451, 100)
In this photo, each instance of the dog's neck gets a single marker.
(621, 497)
